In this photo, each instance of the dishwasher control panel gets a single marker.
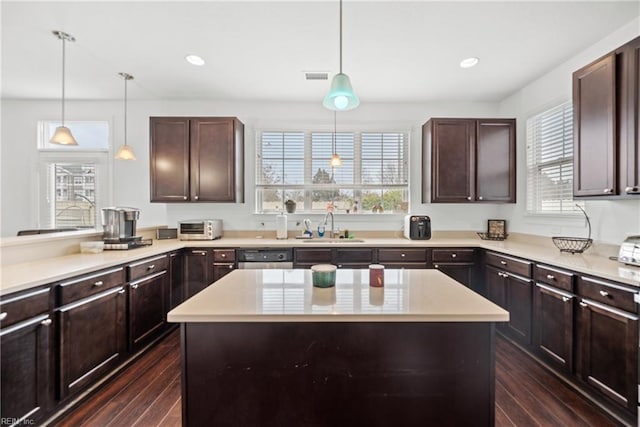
(265, 255)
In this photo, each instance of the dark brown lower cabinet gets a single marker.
(26, 362)
(462, 273)
(147, 309)
(607, 358)
(553, 326)
(93, 339)
(496, 289)
(175, 280)
(196, 274)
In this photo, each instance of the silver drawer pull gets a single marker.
(503, 262)
(98, 283)
(480, 198)
(468, 197)
(402, 255)
(608, 190)
(223, 255)
(199, 252)
(151, 267)
(604, 293)
(550, 277)
(3, 315)
(184, 198)
(565, 299)
(134, 286)
(453, 255)
(122, 291)
(46, 322)
(230, 266)
(437, 266)
(196, 197)
(632, 190)
(583, 304)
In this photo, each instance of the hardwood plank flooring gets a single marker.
(147, 393)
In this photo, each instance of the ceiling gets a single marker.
(393, 51)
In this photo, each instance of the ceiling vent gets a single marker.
(316, 75)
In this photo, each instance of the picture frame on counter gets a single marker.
(497, 228)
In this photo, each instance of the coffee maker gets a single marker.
(119, 226)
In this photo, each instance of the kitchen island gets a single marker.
(265, 347)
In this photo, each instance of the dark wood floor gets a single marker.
(147, 393)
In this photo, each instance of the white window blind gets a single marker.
(295, 165)
(550, 162)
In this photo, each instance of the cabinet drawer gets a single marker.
(146, 267)
(354, 256)
(402, 255)
(14, 309)
(313, 256)
(551, 276)
(224, 255)
(84, 286)
(452, 255)
(512, 265)
(607, 293)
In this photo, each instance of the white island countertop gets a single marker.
(288, 296)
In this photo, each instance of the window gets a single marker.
(295, 165)
(550, 162)
(73, 180)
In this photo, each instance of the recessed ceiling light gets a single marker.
(194, 60)
(469, 62)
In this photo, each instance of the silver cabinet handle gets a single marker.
(565, 299)
(551, 277)
(184, 198)
(604, 293)
(468, 197)
(3, 315)
(503, 262)
(437, 266)
(223, 255)
(505, 275)
(402, 255)
(122, 291)
(632, 190)
(583, 304)
(480, 198)
(98, 283)
(151, 267)
(46, 322)
(453, 255)
(608, 190)
(230, 267)
(196, 197)
(199, 252)
(134, 286)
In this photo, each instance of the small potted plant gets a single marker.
(290, 205)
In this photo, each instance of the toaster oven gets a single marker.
(200, 229)
(630, 251)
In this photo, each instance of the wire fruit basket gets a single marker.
(574, 245)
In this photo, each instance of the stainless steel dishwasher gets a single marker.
(265, 258)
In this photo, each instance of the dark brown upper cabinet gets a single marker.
(606, 96)
(197, 159)
(472, 160)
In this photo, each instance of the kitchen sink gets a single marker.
(322, 240)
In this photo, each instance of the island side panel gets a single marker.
(320, 374)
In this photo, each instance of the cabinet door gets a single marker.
(452, 159)
(147, 308)
(222, 269)
(169, 157)
(26, 372)
(93, 334)
(553, 326)
(175, 280)
(629, 108)
(196, 271)
(496, 287)
(462, 273)
(608, 352)
(519, 304)
(594, 130)
(213, 160)
(496, 160)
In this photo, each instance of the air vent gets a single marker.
(316, 75)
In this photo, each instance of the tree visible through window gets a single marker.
(295, 166)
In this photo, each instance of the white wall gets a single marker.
(611, 220)
(130, 186)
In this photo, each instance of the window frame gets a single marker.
(356, 187)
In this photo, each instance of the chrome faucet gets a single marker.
(331, 231)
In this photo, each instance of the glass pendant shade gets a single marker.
(125, 153)
(63, 136)
(341, 96)
(336, 161)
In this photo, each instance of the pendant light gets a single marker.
(62, 135)
(125, 152)
(341, 96)
(335, 161)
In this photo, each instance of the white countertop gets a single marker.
(25, 275)
(288, 296)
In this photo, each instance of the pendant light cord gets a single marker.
(63, 62)
(125, 110)
(340, 36)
